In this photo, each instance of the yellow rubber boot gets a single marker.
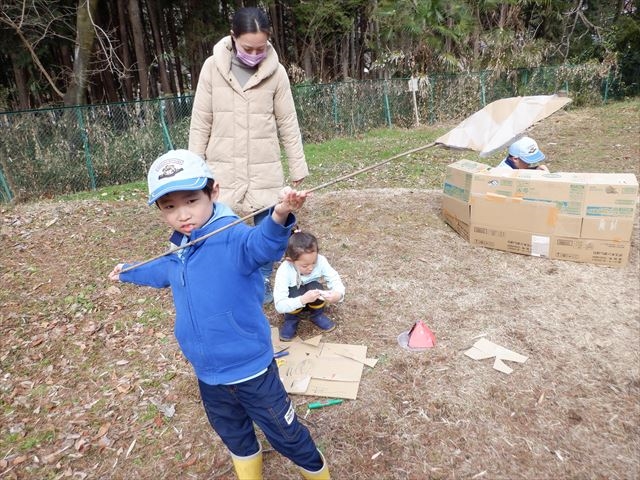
(248, 468)
(322, 474)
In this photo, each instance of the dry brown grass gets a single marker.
(89, 373)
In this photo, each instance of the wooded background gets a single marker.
(66, 52)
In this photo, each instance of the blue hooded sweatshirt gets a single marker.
(218, 291)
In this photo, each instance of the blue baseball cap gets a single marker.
(177, 170)
(526, 149)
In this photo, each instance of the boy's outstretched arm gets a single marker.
(290, 201)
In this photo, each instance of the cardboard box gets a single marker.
(583, 217)
(606, 228)
(611, 195)
(458, 225)
(609, 253)
(514, 241)
(565, 190)
(499, 181)
(513, 213)
(459, 209)
(458, 176)
(600, 252)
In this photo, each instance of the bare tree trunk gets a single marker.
(176, 74)
(344, 56)
(155, 19)
(277, 28)
(65, 56)
(354, 71)
(21, 83)
(137, 31)
(109, 86)
(504, 8)
(308, 63)
(619, 10)
(123, 31)
(85, 36)
(11, 23)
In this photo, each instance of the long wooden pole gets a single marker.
(247, 217)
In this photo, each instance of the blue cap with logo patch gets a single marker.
(526, 149)
(177, 170)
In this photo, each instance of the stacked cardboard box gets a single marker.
(584, 217)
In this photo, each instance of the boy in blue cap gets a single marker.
(220, 325)
(524, 154)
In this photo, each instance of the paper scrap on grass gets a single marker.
(322, 369)
(484, 348)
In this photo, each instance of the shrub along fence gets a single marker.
(55, 151)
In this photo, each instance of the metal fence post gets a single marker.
(432, 100)
(387, 110)
(606, 87)
(334, 105)
(85, 144)
(6, 190)
(165, 131)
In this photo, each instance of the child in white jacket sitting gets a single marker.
(299, 291)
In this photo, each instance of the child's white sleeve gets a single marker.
(334, 282)
(283, 281)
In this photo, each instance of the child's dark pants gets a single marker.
(232, 409)
(301, 290)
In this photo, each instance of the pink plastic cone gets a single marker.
(420, 336)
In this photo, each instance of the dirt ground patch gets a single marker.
(93, 385)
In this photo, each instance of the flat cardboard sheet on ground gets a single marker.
(322, 369)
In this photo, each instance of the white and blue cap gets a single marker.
(526, 149)
(177, 170)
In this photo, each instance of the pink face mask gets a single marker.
(247, 58)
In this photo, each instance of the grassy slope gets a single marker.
(611, 132)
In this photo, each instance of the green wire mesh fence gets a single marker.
(49, 152)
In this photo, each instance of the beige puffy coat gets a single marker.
(235, 129)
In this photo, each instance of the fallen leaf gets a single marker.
(113, 290)
(133, 444)
(157, 420)
(191, 459)
(82, 445)
(103, 430)
(104, 442)
(124, 387)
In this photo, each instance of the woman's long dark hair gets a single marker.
(250, 20)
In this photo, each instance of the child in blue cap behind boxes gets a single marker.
(220, 325)
(524, 154)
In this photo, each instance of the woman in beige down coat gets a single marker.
(234, 126)
(243, 100)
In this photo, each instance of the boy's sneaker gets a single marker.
(323, 322)
(289, 328)
(268, 293)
